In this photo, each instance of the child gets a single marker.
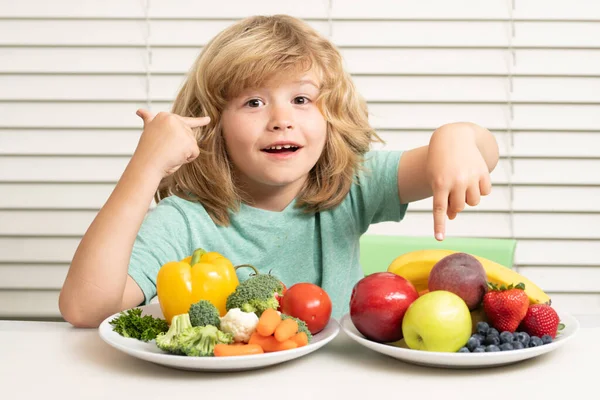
(266, 159)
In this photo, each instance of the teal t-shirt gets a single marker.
(322, 248)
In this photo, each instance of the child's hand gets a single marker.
(458, 174)
(167, 141)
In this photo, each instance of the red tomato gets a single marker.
(308, 302)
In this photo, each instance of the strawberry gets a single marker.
(505, 307)
(540, 320)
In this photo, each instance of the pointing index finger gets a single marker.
(196, 122)
(440, 205)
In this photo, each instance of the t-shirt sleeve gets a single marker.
(163, 237)
(374, 197)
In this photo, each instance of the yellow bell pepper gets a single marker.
(201, 276)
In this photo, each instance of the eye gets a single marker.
(253, 103)
(301, 100)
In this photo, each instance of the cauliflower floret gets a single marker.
(240, 324)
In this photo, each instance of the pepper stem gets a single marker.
(249, 266)
(196, 255)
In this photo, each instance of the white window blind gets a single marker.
(72, 74)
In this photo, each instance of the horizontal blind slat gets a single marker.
(373, 33)
(162, 9)
(18, 304)
(469, 9)
(497, 225)
(577, 304)
(560, 279)
(32, 276)
(374, 9)
(569, 62)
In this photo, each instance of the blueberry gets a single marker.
(480, 349)
(506, 337)
(463, 350)
(523, 337)
(506, 346)
(535, 341)
(517, 345)
(492, 340)
(479, 337)
(492, 348)
(546, 339)
(482, 328)
(472, 343)
(493, 331)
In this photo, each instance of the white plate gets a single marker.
(461, 360)
(149, 352)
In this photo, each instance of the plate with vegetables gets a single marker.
(251, 332)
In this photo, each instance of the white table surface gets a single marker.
(41, 360)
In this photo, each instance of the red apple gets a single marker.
(378, 303)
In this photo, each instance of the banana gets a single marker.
(416, 265)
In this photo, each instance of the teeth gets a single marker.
(286, 146)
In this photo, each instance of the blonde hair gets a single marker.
(245, 55)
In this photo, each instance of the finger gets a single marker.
(457, 198)
(456, 201)
(473, 197)
(485, 185)
(145, 115)
(440, 204)
(451, 214)
(196, 122)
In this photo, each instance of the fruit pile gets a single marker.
(447, 301)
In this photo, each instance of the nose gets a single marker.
(281, 119)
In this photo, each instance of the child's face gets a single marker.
(275, 134)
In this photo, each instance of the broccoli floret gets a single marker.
(204, 313)
(200, 341)
(256, 294)
(302, 327)
(169, 341)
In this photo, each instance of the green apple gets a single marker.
(437, 321)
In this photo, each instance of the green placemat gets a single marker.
(378, 251)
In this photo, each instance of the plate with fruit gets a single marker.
(263, 323)
(454, 310)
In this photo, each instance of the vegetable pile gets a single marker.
(250, 321)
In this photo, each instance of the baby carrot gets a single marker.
(301, 339)
(227, 350)
(270, 344)
(286, 329)
(268, 321)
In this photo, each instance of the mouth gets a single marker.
(282, 149)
